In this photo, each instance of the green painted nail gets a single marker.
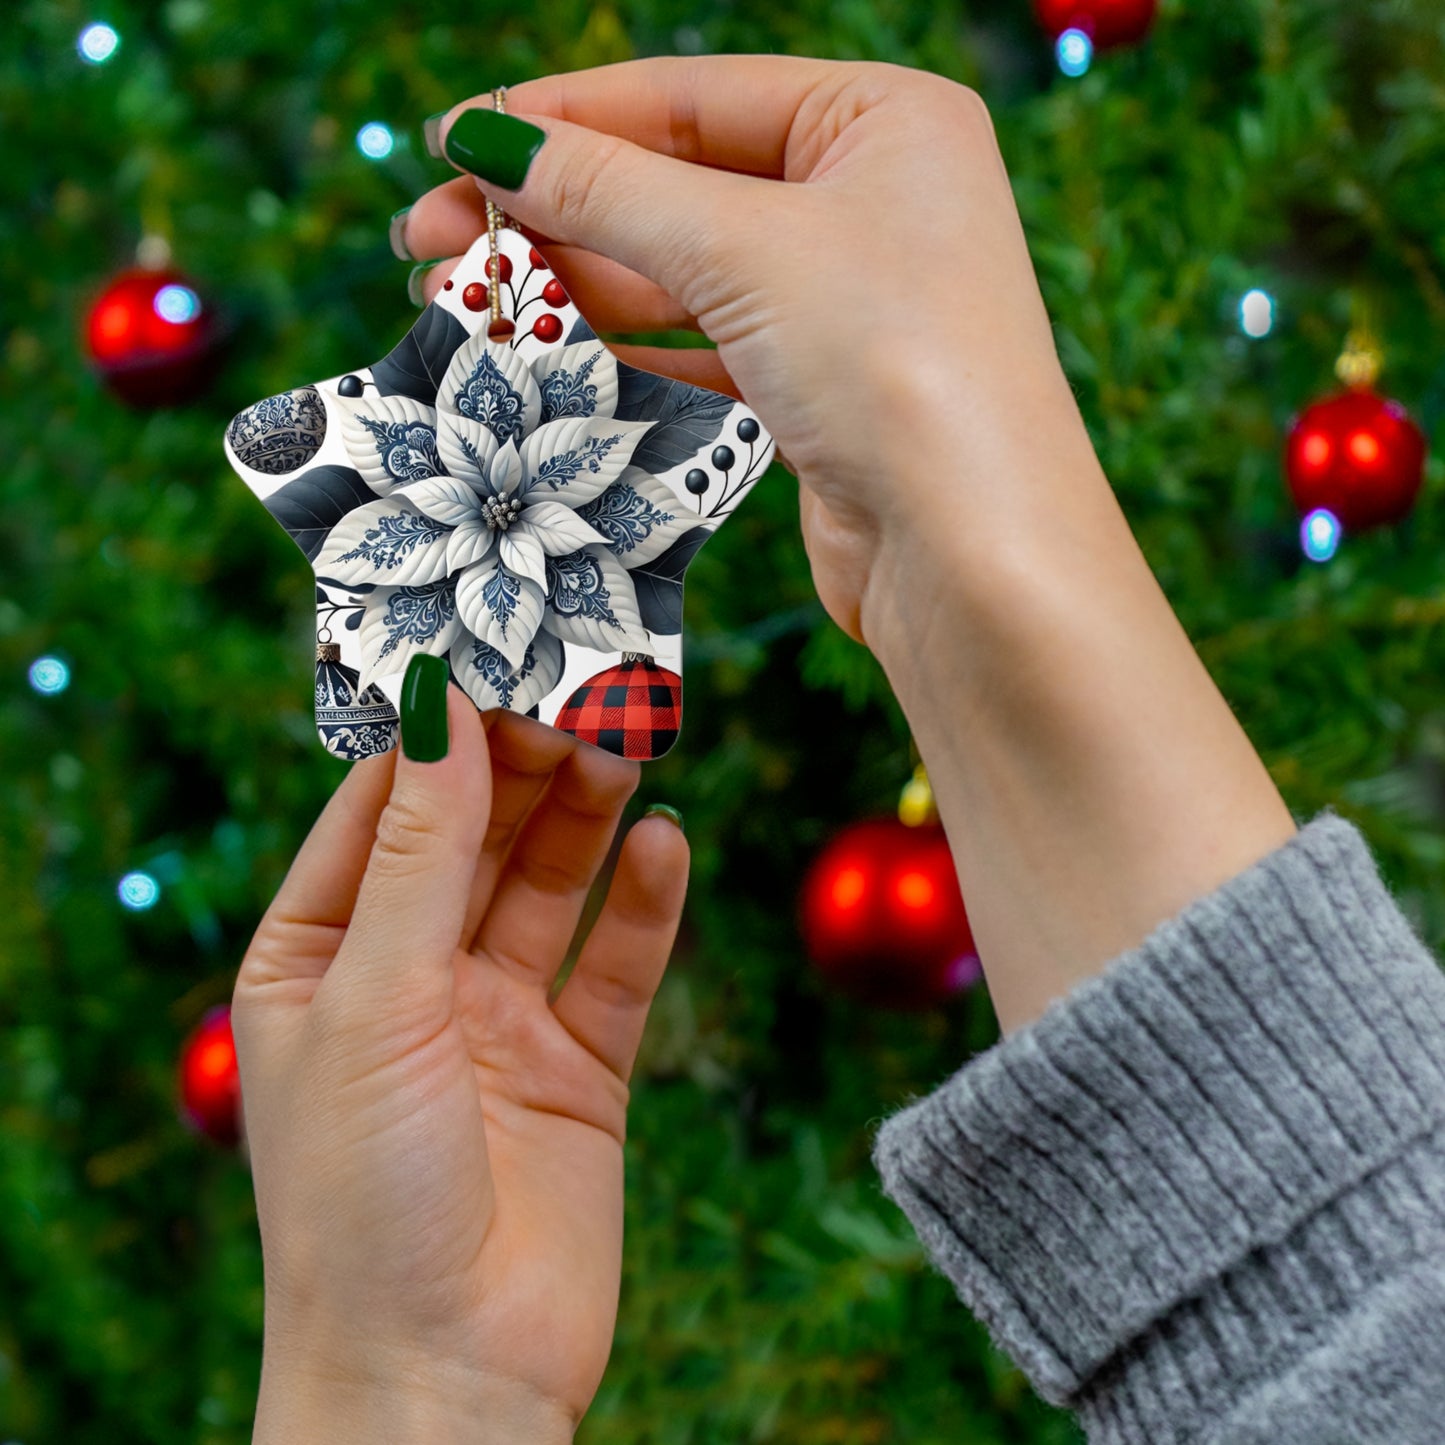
(396, 234)
(671, 814)
(414, 293)
(424, 708)
(498, 148)
(431, 133)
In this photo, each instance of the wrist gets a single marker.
(397, 1400)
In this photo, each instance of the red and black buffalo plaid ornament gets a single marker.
(633, 709)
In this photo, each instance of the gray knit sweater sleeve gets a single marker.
(1201, 1201)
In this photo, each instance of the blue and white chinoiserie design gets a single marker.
(525, 508)
(353, 723)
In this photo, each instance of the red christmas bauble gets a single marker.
(883, 919)
(633, 709)
(209, 1081)
(1106, 22)
(1359, 456)
(152, 338)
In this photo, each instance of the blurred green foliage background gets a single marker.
(771, 1292)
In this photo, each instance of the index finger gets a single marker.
(734, 112)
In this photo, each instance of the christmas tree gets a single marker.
(1212, 211)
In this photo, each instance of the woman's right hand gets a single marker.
(847, 236)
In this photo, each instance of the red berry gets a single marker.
(538, 260)
(554, 293)
(506, 268)
(447, 285)
(475, 297)
(547, 328)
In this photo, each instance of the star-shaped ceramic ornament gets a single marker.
(525, 508)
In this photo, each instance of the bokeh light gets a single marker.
(1320, 535)
(97, 43)
(138, 891)
(49, 675)
(1256, 313)
(1075, 52)
(177, 304)
(375, 140)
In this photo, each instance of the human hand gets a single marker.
(436, 1147)
(879, 311)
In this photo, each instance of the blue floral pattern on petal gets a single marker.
(394, 537)
(500, 593)
(575, 588)
(408, 449)
(569, 393)
(564, 467)
(489, 398)
(495, 670)
(417, 614)
(624, 516)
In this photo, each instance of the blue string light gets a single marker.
(375, 140)
(1320, 534)
(1256, 313)
(97, 43)
(138, 891)
(1075, 53)
(177, 304)
(49, 675)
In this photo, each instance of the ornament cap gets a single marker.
(1361, 361)
(328, 652)
(916, 806)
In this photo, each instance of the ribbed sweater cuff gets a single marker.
(1180, 1155)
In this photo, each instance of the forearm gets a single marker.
(1092, 779)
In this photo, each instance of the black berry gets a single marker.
(722, 458)
(698, 481)
(350, 386)
(748, 429)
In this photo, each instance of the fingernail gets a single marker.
(663, 811)
(396, 234)
(431, 133)
(424, 708)
(498, 148)
(414, 293)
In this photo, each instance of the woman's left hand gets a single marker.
(436, 1144)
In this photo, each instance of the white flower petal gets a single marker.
(472, 541)
(591, 601)
(577, 380)
(639, 516)
(402, 621)
(444, 499)
(493, 386)
(574, 460)
(490, 681)
(505, 474)
(559, 529)
(466, 447)
(523, 555)
(500, 608)
(384, 542)
(390, 440)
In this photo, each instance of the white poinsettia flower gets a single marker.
(506, 521)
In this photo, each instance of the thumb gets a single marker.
(412, 902)
(664, 218)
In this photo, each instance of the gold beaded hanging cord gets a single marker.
(498, 328)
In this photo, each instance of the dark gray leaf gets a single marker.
(580, 331)
(659, 583)
(416, 364)
(685, 418)
(315, 502)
